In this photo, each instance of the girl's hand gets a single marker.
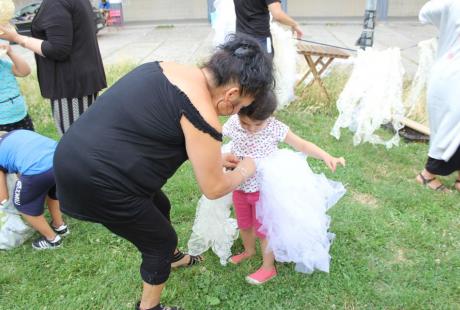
(229, 160)
(8, 33)
(6, 47)
(298, 32)
(332, 162)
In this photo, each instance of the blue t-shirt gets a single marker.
(105, 5)
(26, 152)
(12, 105)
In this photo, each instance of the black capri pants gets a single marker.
(153, 235)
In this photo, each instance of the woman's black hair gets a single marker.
(242, 60)
(262, 108)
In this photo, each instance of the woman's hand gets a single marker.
(332, 162)
(9, 33)
(247, 167)
(229, 161)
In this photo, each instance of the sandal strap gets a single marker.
(178, 256)
(457, 181)
(194, 260)
(440, 188)
(425, 180)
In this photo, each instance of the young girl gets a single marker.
(285, 203)
(13, 109)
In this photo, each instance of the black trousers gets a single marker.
(441, 167)
(154, 236)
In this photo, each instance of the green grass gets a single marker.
(396, 247)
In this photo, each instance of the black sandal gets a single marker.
(440, 188)
(158, 307)
(194, 260)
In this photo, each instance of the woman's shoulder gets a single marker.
(191, 81)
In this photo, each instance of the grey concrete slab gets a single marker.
(192, 43)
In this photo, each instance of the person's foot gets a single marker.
(431, 182)
(457, 185)
(238, 258)
(62, 230)
(185, 260)
(44, 244)
(261, 276)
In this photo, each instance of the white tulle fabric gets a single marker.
(213, 228)
(415, 104)
(13, 231)
(292, 210)
(372, 97)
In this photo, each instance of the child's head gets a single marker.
(254, 116)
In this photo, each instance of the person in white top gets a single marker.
(443, 95)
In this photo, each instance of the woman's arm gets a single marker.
(10, 34)
(205, 155)
(278, 14)
(57, 23)
(313, 150)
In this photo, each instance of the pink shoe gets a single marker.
(261, 276)
(238, 258)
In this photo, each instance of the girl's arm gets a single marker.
(313, 150)
(20, 66)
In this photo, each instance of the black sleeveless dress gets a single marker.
(125, 147)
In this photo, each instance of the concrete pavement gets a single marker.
(192, 42)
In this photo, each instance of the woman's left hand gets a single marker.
(332, 162)
(229, 160)
(9, 33)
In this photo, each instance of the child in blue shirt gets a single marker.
(30, 156)
(13, 109)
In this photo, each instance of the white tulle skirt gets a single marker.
(292, 210)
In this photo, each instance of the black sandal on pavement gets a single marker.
(440, 188)
(193, 260)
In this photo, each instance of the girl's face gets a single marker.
(250, 125)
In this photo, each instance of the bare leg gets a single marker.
(151, 295)
(3, 187)
(40, 224)
(268, 257)
(55, 211)
(249, 241)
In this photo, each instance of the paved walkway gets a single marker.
(191, 43)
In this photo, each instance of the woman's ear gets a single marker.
(232, 94)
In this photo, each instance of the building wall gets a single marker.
(150, 10)
(401, 8)
(314, 8)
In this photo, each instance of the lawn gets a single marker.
(397, 243)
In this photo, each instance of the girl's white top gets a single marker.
(443, 91)
(255, 145)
